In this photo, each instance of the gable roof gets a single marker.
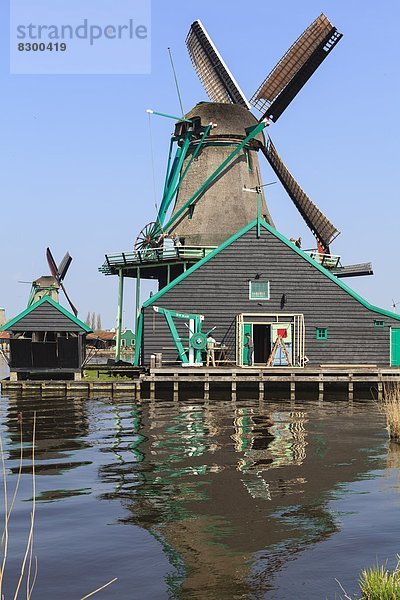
(293, 247)
(56, 305)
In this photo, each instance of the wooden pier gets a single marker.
(202, 382)
(287, 380)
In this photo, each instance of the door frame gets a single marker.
(299, 333)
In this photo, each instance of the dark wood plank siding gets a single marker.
(46, 318)
(220, 291)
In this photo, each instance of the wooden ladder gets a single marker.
(279, 342)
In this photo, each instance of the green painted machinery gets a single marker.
(189, 356)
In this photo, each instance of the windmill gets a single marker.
(49, 285)
(218, 143)
(272, 98)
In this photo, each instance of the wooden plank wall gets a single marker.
(220, 291)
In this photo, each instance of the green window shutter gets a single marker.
(321, 333)
(259, 290)
(395, 347)
(378, 323)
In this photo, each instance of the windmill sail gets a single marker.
(322, 228)
(59, 274)
(64, 266)
(295, 68)
(213, 73)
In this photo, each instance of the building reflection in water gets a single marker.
(233, 490)
(61, 431)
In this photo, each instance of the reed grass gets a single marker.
(390, 406)
(27, 575)
(378, 583)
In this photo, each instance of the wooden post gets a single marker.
(261, 389)
(152, 388)
(380, 391)
(320, 389)
(206, 387)
(138, 386)
(233, 387)
(119, 315)
(351, 389)
(176, 387)
(292, 391)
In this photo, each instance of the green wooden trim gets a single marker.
(139, 337)
(311, 261)
(174, 179)
(379, 323)
(171, 145)
(160, 114)
(321, 333)
(253, 132)
(56, 305)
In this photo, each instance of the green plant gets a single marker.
(390, 406)
(378, 583)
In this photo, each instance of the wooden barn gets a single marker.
(47, 341)
(258, 282)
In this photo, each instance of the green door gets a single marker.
(395, 348)
(247, 328)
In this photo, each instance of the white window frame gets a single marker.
(251, 281)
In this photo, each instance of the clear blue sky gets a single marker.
(75, 154)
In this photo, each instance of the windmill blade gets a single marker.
(59, 274)
(322, 228)
(73, 308)
(52, 264)
(213, 73)
(295, 68)
(64, 266)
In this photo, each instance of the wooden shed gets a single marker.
(46, 342)
(260, 283)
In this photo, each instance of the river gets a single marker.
(197, 499)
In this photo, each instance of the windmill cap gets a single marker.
(231, 120)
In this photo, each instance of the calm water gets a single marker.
(195, 500)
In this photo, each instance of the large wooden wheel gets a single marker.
(147, 237)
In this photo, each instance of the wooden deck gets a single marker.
(174, 380)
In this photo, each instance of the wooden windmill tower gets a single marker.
(223, 206)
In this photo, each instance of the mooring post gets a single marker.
(176, 387)
(206, 387)
(261, 388)
(233, 387)
(320, 388)
(152, 387)
(380, 390)
(292, 391)
(351, 388)
(138, 389)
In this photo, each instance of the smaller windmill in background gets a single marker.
(50, 285)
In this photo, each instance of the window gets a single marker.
(321, 333)
(259, 290)
(379, 323)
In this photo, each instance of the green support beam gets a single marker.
(137, 303)
(138, 341)
(253, 133)
(119, 314)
